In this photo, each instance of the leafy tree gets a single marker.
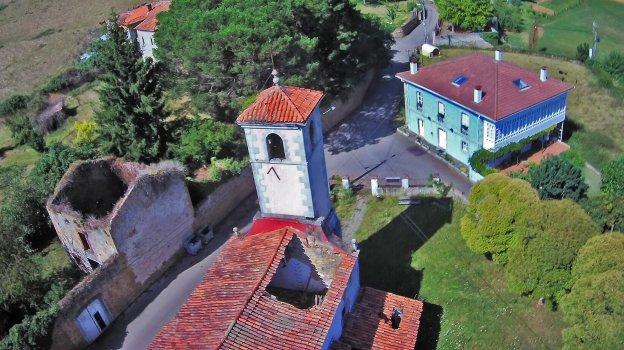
(582, 52)
(613, 178)
(606, 211)
(509, 15)
(24, 132)
(132, 117)
(467, 14)
(202, 139)
(224, 50)
(497, 207)
(594, 308)
(392, 11)
(557, 178)
(542, 253)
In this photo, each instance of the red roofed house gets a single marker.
(475, 101)
(288, 283)
(141, 24)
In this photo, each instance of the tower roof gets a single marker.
(281, 104)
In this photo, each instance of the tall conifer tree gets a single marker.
(132, 118)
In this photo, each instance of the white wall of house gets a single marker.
(146, 43)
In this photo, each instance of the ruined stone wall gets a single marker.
(223, 200)
(153, 222)
(345, 107)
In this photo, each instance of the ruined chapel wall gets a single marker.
(153, 222)
(223, 200)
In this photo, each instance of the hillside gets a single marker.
(38, 38)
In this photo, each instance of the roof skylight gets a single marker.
(521, 84)
(460, 80)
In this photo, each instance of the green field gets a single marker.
(380, 11)
(572, 25)
(418, 251)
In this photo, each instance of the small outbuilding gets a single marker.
(429, 50)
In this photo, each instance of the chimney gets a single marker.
(544, 74)
(413, 67)
(478, 94)
(397, 315)
(498, 55)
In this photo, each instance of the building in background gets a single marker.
(472, 102)
(141, 24)
(289, 283)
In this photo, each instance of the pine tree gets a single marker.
(132, 118)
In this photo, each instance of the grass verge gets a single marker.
(418, 250)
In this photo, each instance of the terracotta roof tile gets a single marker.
(144, 17)
(501, 97)
(231, 309)
(282, 104)
(366, 329)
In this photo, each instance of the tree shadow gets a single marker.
(375, 118)
(386, 258)
(570, 127)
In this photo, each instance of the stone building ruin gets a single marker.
(110, 206)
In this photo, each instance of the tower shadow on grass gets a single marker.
(386, 258)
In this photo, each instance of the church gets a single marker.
(289, 282)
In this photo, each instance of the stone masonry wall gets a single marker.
(223, 200)
(345, 107)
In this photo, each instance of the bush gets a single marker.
(614, 65)
(582, 52)
(86, 132)
(557, 178)
(201, 139)
(542, 252)
(498, 207)
(14, 103)
(594, 308)
(223, 169)
(24, 132)
(613, 177)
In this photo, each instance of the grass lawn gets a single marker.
(381, 11)
(40, 38)
(418, 250)
(595, 126)
(572, 25)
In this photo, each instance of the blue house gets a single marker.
(476, 101)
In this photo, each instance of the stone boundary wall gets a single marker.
(223, 200)
(407, 27)
(114, 283)
(345, 107)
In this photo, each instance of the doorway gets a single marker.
(93, 320)
(442, 139)
(421, 128)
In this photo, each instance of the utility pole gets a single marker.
(596, 40)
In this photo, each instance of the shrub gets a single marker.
(557, 178)
(613, 177)
(86, 132)
(498, 206)
(594, 308)
(24, 132)
(14, 103)
(613, 64)
(201, 139)
(222, 169)
(542, 252)
(582, 52)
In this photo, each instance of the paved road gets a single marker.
(366, 144)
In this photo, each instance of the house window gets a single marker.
(521, 84)
(465, 122)
(143, 41)
(84, 241)
(441, 111)
(419, 100)
(275, 147)
(93, 320)
(152, 40)
(460, 80)
(464, 146)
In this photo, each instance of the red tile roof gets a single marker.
(231, 309)
(501, 97)
(281, 104)
(144, 17)
(369, 326)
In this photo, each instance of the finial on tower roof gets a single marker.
(275, 77)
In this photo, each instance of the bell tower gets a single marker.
(284, 136)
